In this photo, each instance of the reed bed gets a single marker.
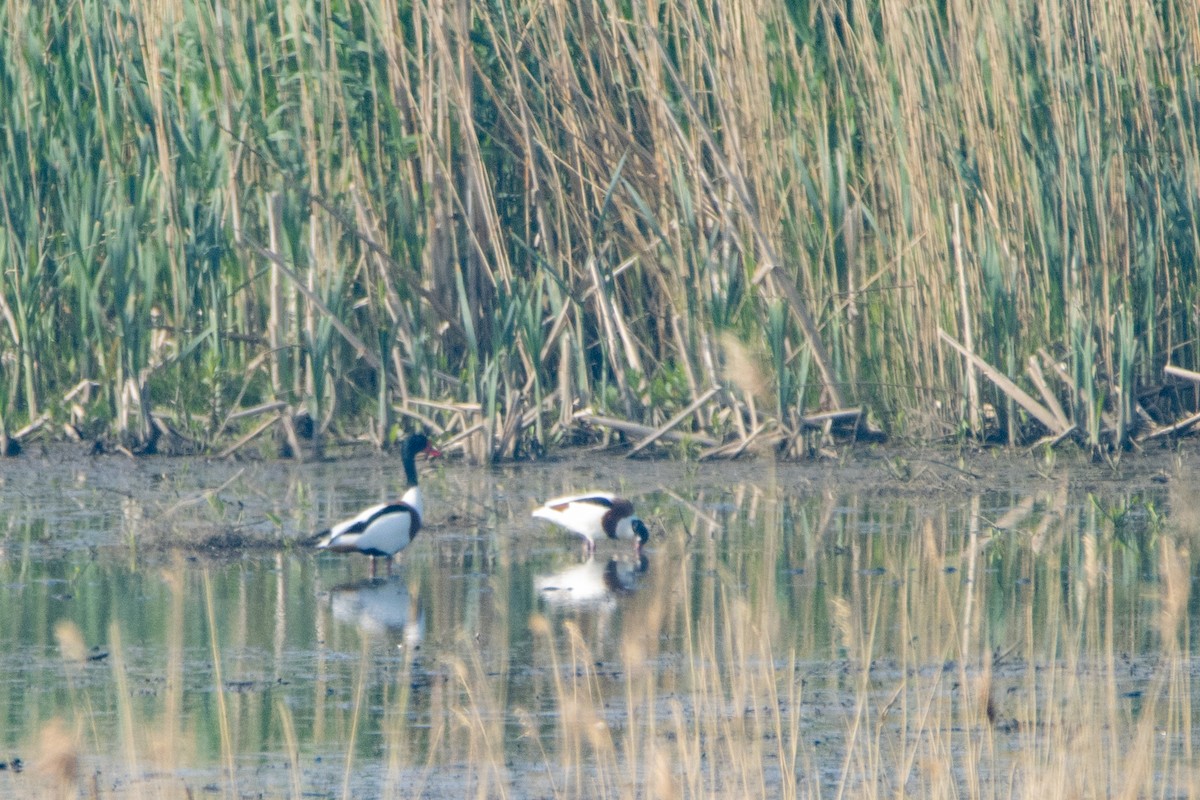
(524, 224)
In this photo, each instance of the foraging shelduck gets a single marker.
(596, 514)
(385, 529)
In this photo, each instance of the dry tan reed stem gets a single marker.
(1182, 425)
(1007, 386)
(673, 421)
(1034, 371)
(818, 420)
(735, 448)
(249, 437)
(1173, 371)
(1107, 418)
(967, 332)
(276, 317)
(634, 429)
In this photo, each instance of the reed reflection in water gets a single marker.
(770, 642)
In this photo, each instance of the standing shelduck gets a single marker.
(385, 529)
(596, 514)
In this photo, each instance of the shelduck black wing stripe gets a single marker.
(392, 508)
(603, 502)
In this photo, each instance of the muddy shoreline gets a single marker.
(206, 508)
(210, 506)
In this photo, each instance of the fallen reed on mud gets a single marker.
(732, 223)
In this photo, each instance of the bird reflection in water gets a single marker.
(380, 606)
(593, 584)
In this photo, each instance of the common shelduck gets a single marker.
(385, 529)
(596, 514)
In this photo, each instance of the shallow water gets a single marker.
(792, 630)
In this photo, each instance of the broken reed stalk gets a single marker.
(818, 420)
(512, 426)
(455, 441)
(1034, 371)
(1076, 391)
(1182, 425)
(277, 405)
(673, 421)
(1003, 383)
(248, 437)
(7, 445)
(29, 429)
(641, 431)
(289, 433)
(430, 424)
(1173, 371)
(735, 448)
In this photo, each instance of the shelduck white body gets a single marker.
(385, 529)
(381, 530)
(593, 515)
